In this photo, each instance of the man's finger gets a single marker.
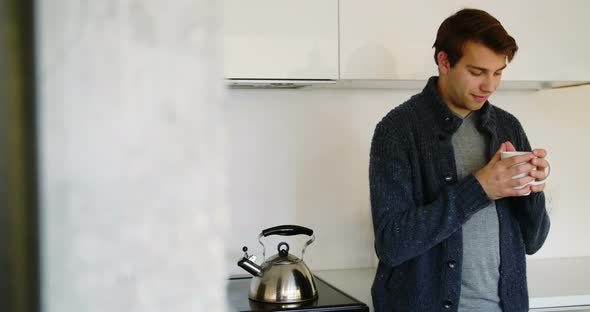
(509, 147)
(539, 152)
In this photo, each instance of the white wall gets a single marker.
(558, 121)
(132, 165)
(301, 156)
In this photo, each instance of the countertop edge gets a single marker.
(357, 283)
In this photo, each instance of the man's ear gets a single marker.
(443, 62)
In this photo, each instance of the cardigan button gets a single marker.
(449, 177)
(448, 304)
(452, 264)
(449, 120)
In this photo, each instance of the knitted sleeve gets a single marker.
(403, 228)
(530, 210)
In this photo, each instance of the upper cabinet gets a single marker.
(266, 39)
(385, 43)
(388, 39)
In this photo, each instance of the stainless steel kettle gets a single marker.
(283, 278)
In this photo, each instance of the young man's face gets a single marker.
(473, 79)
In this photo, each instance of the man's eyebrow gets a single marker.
(485, 69)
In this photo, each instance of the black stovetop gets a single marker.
(329, 299)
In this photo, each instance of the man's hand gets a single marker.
(540, 174)
(496, 176)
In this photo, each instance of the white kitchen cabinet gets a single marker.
(387, 39)
(266, 39)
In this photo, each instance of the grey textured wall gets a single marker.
(132, 212)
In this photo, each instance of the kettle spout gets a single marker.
(250, 267)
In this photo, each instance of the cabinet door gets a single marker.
(268, 39)
(552, 37)
(390, 39)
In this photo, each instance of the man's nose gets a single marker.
(489, 84)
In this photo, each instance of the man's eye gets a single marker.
(475, 73)
(498, 74)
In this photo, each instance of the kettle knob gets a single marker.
(283, 252)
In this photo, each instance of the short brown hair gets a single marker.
(472, 25)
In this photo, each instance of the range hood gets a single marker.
(276, 83)
(393, 84)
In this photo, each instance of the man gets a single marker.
(451, 230)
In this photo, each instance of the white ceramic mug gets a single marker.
(505, 155)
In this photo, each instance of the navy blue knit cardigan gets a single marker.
(419, 206)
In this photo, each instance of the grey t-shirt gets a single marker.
(481, 249)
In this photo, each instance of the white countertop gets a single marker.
(554, 284)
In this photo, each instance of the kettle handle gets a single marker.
(287, 230)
